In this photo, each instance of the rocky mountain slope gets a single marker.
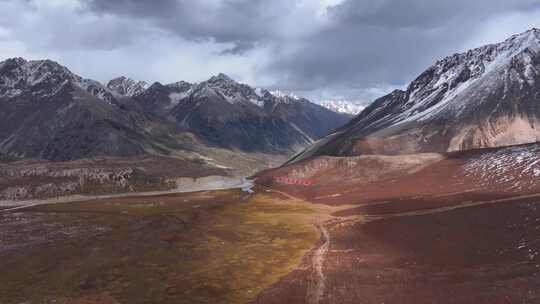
(228, 114)
(406, 219)
(48, 112)
(486, 97)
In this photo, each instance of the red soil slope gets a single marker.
(464, 229)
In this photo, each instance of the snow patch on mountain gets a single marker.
(517, 168)
(177, 97)
(257, 101)
(260, 92)
(179, 91)
(124, 86)
(284, 95)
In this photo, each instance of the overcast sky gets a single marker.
(354, 50)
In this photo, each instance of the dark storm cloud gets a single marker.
(387, 41)
(363, 43)
(240, 47)
(421, 14)
(347, 48)
(236, 21)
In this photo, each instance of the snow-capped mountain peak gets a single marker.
(180, 85)
(178, 91)
(124, 86)
(11, 63)
(223, 87)
(342, 106)
(43, 78)
(484, 97)
(36, 77)
(221, 77)
(442, 88)
(227, 89)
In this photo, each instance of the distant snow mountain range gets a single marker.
(46, 111)
(124, 86)
(343, 106)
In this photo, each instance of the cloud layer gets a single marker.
(325, 49)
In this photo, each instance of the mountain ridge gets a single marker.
(52, 113)
(484, 97)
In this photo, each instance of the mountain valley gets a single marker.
(48, 113)
(217, 192)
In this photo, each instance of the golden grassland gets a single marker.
(208, 247)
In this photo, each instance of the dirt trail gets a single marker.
(317, 283)
(316, 287)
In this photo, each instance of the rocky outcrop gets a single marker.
(23, 180)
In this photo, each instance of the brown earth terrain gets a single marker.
(38, 179)
(464, 229)
(32, 179)
(456, 228)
